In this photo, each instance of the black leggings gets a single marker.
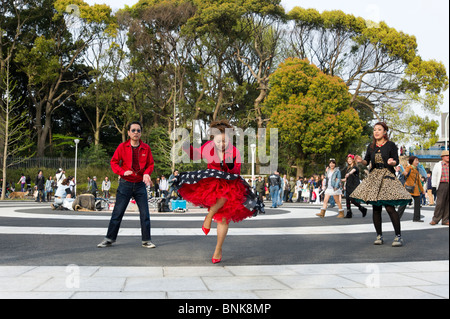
(350, 200)
(395, 218)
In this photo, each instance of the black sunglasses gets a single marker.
(135, 131)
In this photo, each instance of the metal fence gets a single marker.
(44, 162)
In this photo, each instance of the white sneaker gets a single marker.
(379, 240)
(105, 243)
(148, 244)
(398, 242)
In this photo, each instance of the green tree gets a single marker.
(379, 64)
(13, 132)
(50, 64)
(312, 113)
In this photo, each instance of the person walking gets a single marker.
(49, 188)
(430, 190)
(219, 188)
(133, 162)
(414, 184)
(299, 185)
(40, 185)
(106, 186)
(332, 188)
(94, 187)
(164, 187)
(381, 187)
(351, 180)
(291, 189)
(60, 176)
(22, 182)
(286, 189)
(274, 188)
(172, 179)
(260, 188)
(440, 180)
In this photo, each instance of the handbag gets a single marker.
(410, 189)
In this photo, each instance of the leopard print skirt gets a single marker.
(381, 187)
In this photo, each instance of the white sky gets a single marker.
(427, 20)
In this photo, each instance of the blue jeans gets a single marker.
(125, 192)
(274, 194)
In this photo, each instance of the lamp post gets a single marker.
(253, 148)
(76, 162)
(446, 131)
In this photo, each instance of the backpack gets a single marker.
(84, 202)
(402, 178)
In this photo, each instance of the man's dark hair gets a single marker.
(134, 122)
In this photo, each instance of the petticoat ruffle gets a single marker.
(203, 188)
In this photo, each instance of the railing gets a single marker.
(432, 152)
(44, 162)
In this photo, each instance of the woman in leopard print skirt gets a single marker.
(381, 188)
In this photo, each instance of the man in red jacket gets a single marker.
(133, 162)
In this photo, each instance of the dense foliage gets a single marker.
(85, 72)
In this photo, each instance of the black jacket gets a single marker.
(274, 180)
(40, 182)
(388, 150)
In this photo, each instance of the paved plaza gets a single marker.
(288, 253)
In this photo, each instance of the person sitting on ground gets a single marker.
(62, 192)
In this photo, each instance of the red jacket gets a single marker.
(122, 161)
(208, 153)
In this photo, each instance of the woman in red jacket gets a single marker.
(219, 188)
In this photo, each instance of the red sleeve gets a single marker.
(196, 153)
(150, 163)
(115, 161)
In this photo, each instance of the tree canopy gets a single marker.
(312, 113)
(84, 71)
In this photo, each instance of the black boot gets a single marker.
(363, 211)
(349, 214)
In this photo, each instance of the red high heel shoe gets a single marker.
(205, 230)
(216, 261)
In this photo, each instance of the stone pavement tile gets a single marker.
(196, 271)
(435, 277)
(324, 269)
(316, 281)
(261, 270)
(386, 293)
(74, 284)
(120, 295)
(243, 283)
(18, 284)
(425, 266)
(129, 272)
(301, 294)
(369, 268)
(35, 295)
(13, 271)
(386, 280)
(62, 271)
(164, 284)
(229, 294)
(437, 290)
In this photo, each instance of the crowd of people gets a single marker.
(312, 190)
(228, 197)
(58, 186)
